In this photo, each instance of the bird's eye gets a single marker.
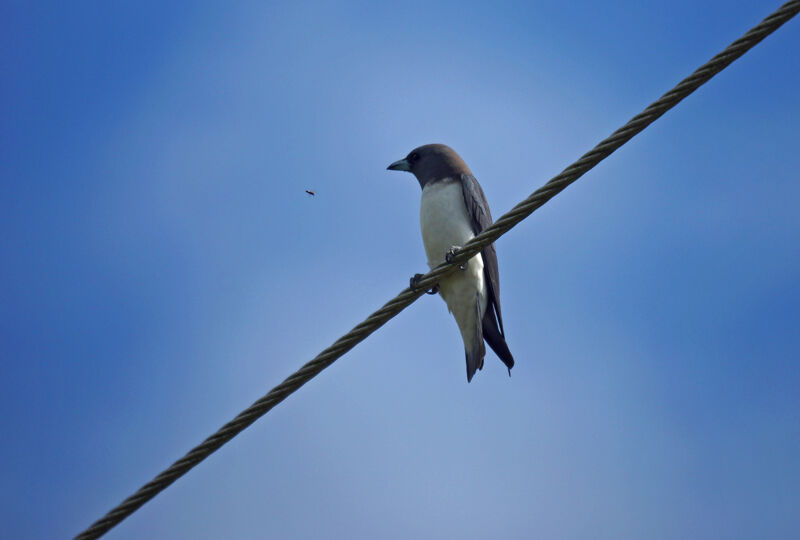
(413, 157)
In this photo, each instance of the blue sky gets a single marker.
(162, 268)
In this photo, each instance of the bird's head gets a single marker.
(431, 162)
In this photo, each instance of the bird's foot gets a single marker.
(414, 283)
(451, 254)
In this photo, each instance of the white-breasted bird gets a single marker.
(453, 210)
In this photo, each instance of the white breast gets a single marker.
(445, 223)
(443, 219)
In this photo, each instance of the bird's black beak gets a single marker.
(400, 165)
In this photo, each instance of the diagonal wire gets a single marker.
(407, 296)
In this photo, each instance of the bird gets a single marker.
(311, 193)
(453, 209)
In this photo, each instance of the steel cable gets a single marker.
(408, 296)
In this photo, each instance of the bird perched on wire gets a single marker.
(453, 210)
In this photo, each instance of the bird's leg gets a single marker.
(451, 254)
(414, 281)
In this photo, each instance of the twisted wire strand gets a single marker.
(408, 296)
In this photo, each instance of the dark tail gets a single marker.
(475, 359)
(476, 350)
(495, 339)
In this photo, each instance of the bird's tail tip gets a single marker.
(474, 361)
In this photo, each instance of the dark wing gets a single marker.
(478, 210)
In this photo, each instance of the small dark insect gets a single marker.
(310, 192)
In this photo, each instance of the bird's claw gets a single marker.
(451, 255)
(414, 283)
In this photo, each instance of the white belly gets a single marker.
(445, 223)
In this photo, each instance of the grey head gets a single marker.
(432, 162)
